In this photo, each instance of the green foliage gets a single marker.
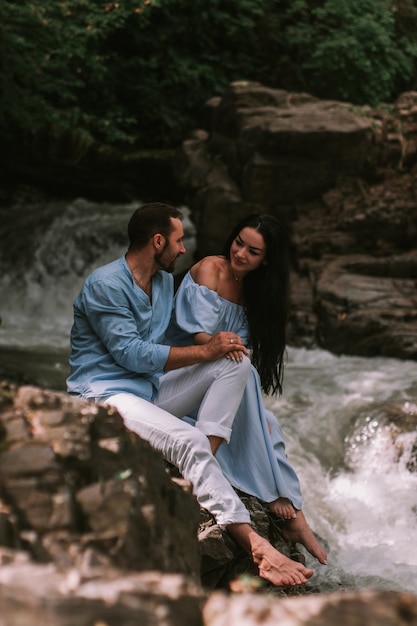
(348, 49)
(122, 72)
(55, 69)
(138, 71)
(184, 53)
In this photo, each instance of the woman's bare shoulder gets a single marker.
(207, 271)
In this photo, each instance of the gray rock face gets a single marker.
(344, 179)
(77, 487)
(287, 147)
(370, 302)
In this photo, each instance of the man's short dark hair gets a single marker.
(148, 220)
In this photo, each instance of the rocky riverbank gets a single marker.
(96, 529)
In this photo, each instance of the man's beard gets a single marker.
(163, 263)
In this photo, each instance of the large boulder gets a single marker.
(73, 480)
(33, 593)
(368, 306)
(287, 147)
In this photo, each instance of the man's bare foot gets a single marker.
(279, 569)
(298, 531)
(283, 508)
(273, 566)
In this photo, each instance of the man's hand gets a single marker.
(218, 346)
(226, 344)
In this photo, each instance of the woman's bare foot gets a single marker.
(283, 508)
(297, 530)
(273, 566)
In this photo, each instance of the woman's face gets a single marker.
(247, 252)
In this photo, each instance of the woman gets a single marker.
(245, 290)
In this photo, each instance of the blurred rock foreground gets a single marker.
(95, 529)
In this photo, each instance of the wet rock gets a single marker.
(76, 485)
(391, 431)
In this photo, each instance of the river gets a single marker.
(359, 496)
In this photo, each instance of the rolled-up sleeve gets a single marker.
(127, 332)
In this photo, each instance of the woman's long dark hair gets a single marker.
(266, 295)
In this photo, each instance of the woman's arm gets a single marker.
(200, 338)
(207, 273)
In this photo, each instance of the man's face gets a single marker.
(173, 248)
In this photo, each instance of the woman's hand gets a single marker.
(235, 355)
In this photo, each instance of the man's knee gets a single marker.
(240, 368)
(196, 440)
(187, 450)
(246, 365)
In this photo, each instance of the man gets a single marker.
(119, 357)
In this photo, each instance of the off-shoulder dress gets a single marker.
(255, 460)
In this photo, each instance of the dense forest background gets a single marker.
(134, 74)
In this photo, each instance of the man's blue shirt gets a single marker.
(117, 336)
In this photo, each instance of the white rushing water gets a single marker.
(359, 495)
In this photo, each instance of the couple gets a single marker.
(120, 356)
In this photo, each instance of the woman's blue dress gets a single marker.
(255, 460)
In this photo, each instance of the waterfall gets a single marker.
(360, 495)
(47, 251)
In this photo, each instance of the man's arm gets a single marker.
(215, 348)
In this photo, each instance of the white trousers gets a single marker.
(213, 389)
(186, 446)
